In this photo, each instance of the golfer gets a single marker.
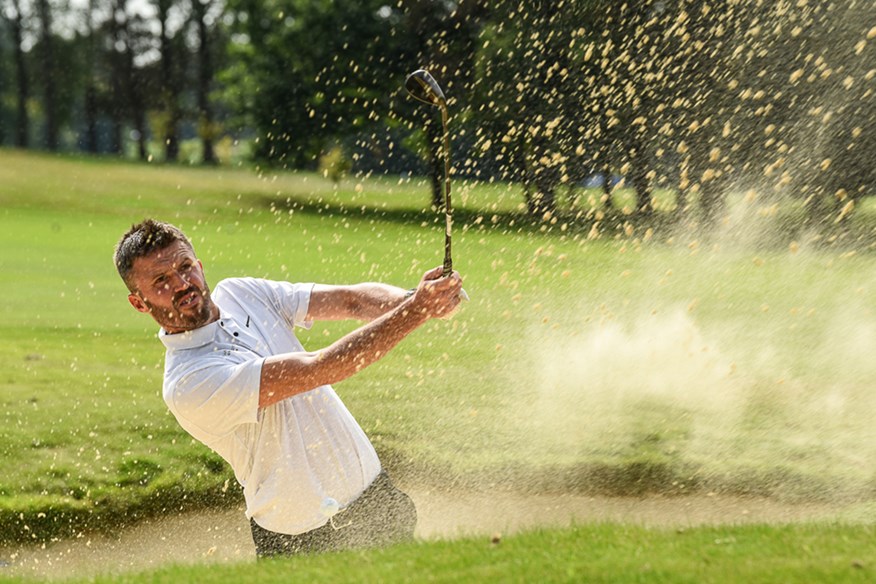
(237, 379)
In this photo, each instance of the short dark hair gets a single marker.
(141, 240)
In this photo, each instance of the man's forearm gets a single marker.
(373, 300)
(358, 301)
(292, 373)
(370, 342)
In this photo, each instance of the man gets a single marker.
(237, 379)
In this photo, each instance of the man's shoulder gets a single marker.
(233, 295)
(251, 295)
(241, 283)
(247, 286)
(243, 287)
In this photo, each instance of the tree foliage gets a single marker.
(696, 96)
(310, 72)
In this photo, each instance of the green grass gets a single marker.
(586, 553)
(620, 363)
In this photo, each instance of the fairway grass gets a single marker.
(619, 363)
(587, 553)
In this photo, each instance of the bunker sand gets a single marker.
(214, 536)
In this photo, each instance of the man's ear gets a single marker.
(138, 303)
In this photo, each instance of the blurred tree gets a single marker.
(171, 49)
(90, 105)
(830, 80)
(121, 88)
(48, 73)
(204, 14)
(621, 60)
(140, 81)
(704, 96)
(442, 37)
(781, 102)
(117, 101)
(311, 71)
(529, 96)
(774, 98)
(4, 76)
(16, 25)
(699, 122)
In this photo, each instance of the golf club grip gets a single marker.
(448, 208)
(448, 218)
(448, 261)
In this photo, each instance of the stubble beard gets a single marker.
(186, 320)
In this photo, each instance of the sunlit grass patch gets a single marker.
(618, 363)
(585, 553)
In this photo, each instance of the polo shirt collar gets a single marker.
(194, 338)
(189, 339)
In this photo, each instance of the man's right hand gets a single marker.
(289, 374)
(437, 296)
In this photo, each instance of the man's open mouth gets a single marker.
(187, 299)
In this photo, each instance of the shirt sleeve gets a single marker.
(219, 396)
(292, 301)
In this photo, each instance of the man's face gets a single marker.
(169, 284)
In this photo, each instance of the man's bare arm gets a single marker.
(359, 301)
(293, 373)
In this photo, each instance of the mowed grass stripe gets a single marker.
(587, 553)
(562, 369)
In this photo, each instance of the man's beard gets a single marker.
(201, 316)
(186, 320)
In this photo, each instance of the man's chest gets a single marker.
(244, 337)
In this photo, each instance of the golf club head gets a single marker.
(423, 87)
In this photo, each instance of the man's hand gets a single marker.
(437, 296)
(289, 374)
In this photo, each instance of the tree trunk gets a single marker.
(47, 57)
(90, 119)
(540, 194)
(606, 186)
(140, 125)
(22, 121)
(682, 196)
(90, 90)
(117, 136)
(545, 180)
(543, 201)
(205, 80)
(135, 109)
(136, 105)
(118, 104)
(639, 178)
(644, 192)
(169, 91)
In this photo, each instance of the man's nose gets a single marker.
(179, 282)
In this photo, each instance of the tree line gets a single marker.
(102, 74)
(701, 97)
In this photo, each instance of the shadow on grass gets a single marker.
(563, 222)
(634, 477)
(786, 227)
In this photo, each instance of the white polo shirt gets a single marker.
(289, 456)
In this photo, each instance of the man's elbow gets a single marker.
(284, 377)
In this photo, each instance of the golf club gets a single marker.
(423, 87)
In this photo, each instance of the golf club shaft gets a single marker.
(448, 208)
